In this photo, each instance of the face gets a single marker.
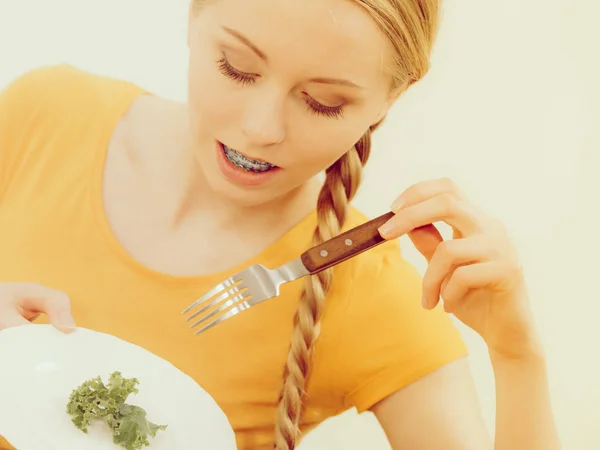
(281, 89)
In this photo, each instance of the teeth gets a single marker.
(247, 164)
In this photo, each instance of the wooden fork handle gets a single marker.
(345, 246)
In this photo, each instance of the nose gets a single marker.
(263, 121)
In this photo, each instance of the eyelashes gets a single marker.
(246, 79)
(229, 71)
(317, 108)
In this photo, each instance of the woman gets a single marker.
(118, 209)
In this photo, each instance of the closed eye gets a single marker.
(246, 78)
(241, 77)
(328, 111)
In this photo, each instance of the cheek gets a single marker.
(212, 101)
(320, 141)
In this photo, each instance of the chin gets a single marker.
(237, 181)
(236, 194)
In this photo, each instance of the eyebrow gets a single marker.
(321, 80)
(240, 37)
(339, 81)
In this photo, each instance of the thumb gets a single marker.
(55, 304)
(426, 239)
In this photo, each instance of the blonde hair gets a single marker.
(411, 28)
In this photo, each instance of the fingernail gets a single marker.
(398, 205)
(385, 229)
(66, 321)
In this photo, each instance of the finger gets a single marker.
(459, 214)
(466, 278)
(448, 256)
(29, 315)
(55, 304)
(426, 239)
(11, 318)
(424, 190)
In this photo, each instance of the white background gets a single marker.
(510, 111)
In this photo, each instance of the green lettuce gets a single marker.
(95, 400)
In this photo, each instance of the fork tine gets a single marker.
(242, 306)
(230, 292)
(237, 293)
(223, 307)
(214, 291)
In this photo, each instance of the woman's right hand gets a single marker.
(20, 303)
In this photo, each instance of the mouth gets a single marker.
(247, 164)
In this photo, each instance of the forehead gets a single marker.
(316, 37)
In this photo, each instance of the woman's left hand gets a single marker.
(477, 273)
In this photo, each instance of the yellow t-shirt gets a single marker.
(55, 125)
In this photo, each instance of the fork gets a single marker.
(257, 283)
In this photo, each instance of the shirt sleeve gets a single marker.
(388, 340)
(27, 105)
(17, 100)
(9, 101)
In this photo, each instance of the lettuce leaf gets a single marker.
(95, 400)
(131, 428)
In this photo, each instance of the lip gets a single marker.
(240, 176)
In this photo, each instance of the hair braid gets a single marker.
(411, 27)
(341, 183)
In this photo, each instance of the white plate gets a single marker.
(40, 366)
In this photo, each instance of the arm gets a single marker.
(441, 410)
(478, 276)
(524, 418)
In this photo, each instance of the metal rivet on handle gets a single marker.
(324, 253)
(348, 242)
